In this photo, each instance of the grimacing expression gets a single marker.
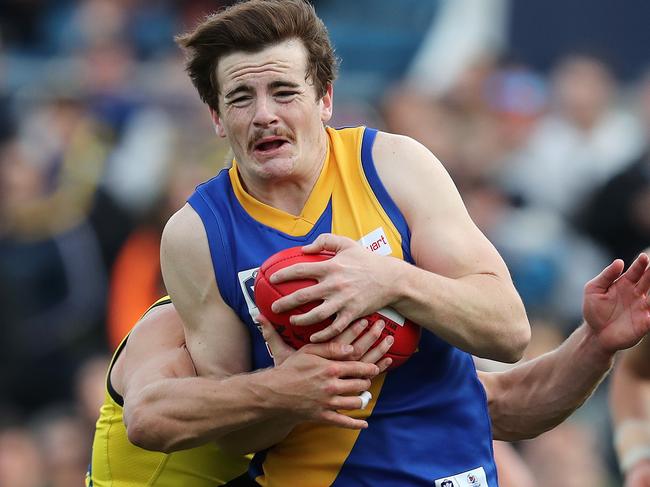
(269, 111)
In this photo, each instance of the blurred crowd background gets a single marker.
(540, 110)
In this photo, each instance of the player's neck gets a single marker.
(292, 193)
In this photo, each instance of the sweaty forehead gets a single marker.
(288, 59)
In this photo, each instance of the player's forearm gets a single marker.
(176, 414)
(258, 436)
(538, 395)
(479, 314)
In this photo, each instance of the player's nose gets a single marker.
(264, 114)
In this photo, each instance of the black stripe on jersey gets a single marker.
(109, 386)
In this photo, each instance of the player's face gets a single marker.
(270, 113)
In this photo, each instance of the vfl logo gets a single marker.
(473, 481)
(249, 285)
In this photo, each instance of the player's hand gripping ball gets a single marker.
(405, 332)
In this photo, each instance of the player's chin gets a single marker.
(276, 167)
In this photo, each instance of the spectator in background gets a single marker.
(21, 462)
(90, 382)
(584, 139)
(136, 280)
(51, 267)
(463, 32)
(630, 404)
(618, 215)
(64, 445)
(629, 398)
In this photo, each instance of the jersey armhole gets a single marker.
(109, 385)
(119, 400)
(220, 256)
(378, 188)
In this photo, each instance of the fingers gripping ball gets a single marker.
(405, 332)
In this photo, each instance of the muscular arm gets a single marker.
(216, 339)
(535, 396)
(460, 288)
(218, 346)
(167, 407)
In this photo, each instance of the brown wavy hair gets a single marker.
(251, 26)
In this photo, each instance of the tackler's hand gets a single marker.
(616, 305)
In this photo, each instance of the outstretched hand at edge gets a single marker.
(615, 304)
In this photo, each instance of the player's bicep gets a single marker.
(444, 239)
(155, 349)
(216, 339)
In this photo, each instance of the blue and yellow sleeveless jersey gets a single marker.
(116, 462)
(428, 420)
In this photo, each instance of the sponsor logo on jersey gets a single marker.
(471, 478)
(377, 242)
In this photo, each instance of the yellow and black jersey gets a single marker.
(118, 463)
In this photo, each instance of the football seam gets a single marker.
(284, 259)
(279, 295)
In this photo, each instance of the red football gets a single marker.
(406, 333)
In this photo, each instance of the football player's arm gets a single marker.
(460, 288)
(266, 434)
(630, 404)
(219, 344)
(217, 340)
(168, 408)
(535, 396)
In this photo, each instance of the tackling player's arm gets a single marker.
(263, 435)
(460, 288)
(219, 347)
(535, 396)
(167, 407)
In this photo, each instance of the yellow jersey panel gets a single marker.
(116, 462)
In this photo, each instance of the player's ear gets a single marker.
(216, 123)
(326, 103)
